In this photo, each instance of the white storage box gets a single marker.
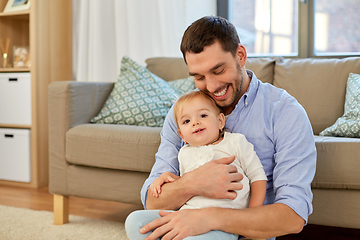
(15, 155)
(15, 98)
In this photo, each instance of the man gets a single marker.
(272, 120)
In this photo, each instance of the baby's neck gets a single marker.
(218, 140)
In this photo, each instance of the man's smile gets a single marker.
(219, 95)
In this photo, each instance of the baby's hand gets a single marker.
(166, 177)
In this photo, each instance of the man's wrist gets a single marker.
(212, 215)
(189, 185)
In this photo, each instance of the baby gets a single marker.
(200, 124)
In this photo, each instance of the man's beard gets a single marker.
(237, 91)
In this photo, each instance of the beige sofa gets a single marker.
(111, 162)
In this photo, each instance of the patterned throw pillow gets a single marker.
(184, 85)
(138, 98)
(349, 124)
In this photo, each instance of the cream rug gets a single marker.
(21, 223)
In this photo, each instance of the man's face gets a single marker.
(218, 74)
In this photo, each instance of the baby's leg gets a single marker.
(136, 220)
(212, 235)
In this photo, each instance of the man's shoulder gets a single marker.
(274, 95)
(270, 90)
(278, 102)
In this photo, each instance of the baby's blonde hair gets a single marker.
(185, 99)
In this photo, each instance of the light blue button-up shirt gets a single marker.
(278, 127)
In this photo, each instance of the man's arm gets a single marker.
(173, 196)
(166, 160)
(215, 179)
(259, 222)
(262, 222)
(166, 177)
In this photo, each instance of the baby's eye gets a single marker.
(186, 121)
(203, 115)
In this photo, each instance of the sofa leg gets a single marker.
(61, 209)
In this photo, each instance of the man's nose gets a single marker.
(212, 84)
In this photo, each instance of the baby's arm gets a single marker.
(166, 177)
(257, 193)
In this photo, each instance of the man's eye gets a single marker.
(219, 72)
(199, 78)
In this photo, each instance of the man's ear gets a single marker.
(241, 55)
(221, 121)
(182, 136)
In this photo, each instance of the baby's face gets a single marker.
(200, 122)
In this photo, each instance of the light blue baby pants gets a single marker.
(136, 220)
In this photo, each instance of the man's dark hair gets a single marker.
(205, 31)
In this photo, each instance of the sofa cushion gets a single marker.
(168, 68)
(262, 67)
(120, 147)
(349, 124)
(318, 84)
(138, 98)
(338, 163)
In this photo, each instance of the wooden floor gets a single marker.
(41, 199)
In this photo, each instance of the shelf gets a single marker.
(15, 126)
(16, 15)
(14, 70)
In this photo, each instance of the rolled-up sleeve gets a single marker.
(167, 155)
(295, 158)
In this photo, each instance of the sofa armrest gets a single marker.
(70, 104)
(74, 103)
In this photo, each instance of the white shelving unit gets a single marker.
(46, 28)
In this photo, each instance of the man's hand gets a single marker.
(178, 225)
(216, 179)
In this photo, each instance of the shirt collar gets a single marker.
(249, 96)
(250, 93)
